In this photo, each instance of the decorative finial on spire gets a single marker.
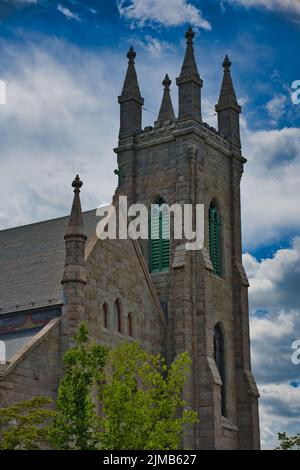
(189, 83)
(130, 100)
(166, 112)
(77, 183)
(75, 226)
(131, 55)
(189, 35)
(226, 63)
(166, 82)
(228, 108)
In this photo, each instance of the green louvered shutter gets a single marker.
(159, 228)
(154, 241)
(165, 241)
(214, 239)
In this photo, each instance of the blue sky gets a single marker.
(64, 62)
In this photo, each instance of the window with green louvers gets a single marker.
(215, 239)
(159, 229)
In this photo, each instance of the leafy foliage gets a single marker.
(141, 400)
(288, 442)
(76, 424)
(25, 426)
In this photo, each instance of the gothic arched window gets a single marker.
(129, 325)
(105, 313)
(215, 238)
(159, 232)
(219, 355)
(118, 316)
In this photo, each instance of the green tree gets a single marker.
(288, 442)
(25, 426)
(76, 424)
(141, 400)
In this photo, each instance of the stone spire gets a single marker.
(75, 240)
(228, 108)
(74, 277)
(189, 83)
(130, 100)
(166, 112)
(75, 227)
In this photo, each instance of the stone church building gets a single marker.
(56, 273)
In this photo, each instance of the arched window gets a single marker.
(129, 325)
(215, 238)
(118, 316)
(219, 353)
(105, 315)
(159, 230)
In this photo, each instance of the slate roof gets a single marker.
(32, 263)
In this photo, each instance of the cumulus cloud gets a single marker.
(162, 12)
(276, 107)
(61, 118)
(289, 6)
(273, 169)
(274, 326)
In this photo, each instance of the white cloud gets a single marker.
(163, 12)
(274, 325)
(273, 169)
(61, 118)
(290, 6)
(274, 280)
(153, 46)
(276, 107)
(68, 13)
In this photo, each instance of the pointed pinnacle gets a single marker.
(75, 226)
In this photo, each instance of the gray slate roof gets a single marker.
(32, 263)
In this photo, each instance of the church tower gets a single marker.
(203, 293)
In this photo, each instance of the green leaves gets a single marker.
(288, 443)
(141, 400)
(119, 399)
(26, 425)
(76, 423)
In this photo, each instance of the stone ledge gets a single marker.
(206, 259)
(226, 424)
(212, 367)
(179, 257)
(253, 390)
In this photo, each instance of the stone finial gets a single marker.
(77, 183)
(189, 35)
(75, 226)
(226, 63)
(166, 112)
(131, 55)
(166, 82)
